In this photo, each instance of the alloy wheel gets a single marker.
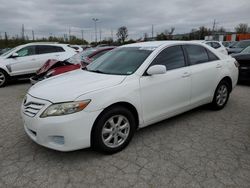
(222, 95)
(2, 78)
(115, 131)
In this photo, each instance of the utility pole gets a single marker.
(214, 25)
(23, 32)
(69, 34)
(100, 34)
(82, 36)
(152, 31)
(33, 35)
(95, 20)
(112, 34)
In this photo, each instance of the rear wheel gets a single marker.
(113, 130)
(221, 95)
(3, 78)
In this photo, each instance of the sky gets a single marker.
(57, 17)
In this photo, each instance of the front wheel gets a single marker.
(113, 130)
(221, 95)
(3, 78)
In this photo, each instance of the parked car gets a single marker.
(128, 88)
(54, 67)
(25, 60)
(238, 47)
(227, 44)
(218, 46)
(77, 48)
(243, 58)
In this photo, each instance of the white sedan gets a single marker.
(128, 88)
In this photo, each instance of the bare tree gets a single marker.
(169, 33)
(122, 33)
(241, 28)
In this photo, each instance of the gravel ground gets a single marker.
(200, 148)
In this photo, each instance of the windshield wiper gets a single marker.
(97, 71)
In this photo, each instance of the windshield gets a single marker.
(242, 44)
(8, 52)
(79, 57)
(120, 61)
(246, 50)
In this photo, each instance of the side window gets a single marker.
(44, 49)
(99, 54)
(196, 54)
(212, 56)
(171, 57)
(216, 45)
(26, 51)
(209, 44)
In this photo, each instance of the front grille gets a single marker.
(32, 108)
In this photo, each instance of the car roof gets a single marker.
(156, 44)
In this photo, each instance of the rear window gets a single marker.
(212, 56)
(44, 49)
(196, 54)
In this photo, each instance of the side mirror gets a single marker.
(157, 69)
(14, 55)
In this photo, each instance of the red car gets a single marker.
(54, 67)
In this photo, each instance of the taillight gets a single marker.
(236, 64)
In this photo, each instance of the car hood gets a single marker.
(69, 86)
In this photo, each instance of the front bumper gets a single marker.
(62, 133)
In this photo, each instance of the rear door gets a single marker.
(166, 94)
(46, 52)
(205, 69)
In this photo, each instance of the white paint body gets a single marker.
(30, 64)
(155, 97)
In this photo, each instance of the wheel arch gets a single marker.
(127, 105)
(1, 69)
(229, 81)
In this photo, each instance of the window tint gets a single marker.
(216, 45)
(44, 49)
(26, 51)
(171, 57)
(212, 56)
(196, 54)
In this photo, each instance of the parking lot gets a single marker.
(201, 148)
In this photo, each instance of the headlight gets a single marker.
(65, 108)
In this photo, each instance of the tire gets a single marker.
(3, 78)
(221, 95)
(106, 134)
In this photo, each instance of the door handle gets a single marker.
(185, 74)
(218, 66)
(33, 59)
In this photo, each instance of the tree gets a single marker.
(241, 28)
(122, 34)
(221, 30)
(166, 35)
